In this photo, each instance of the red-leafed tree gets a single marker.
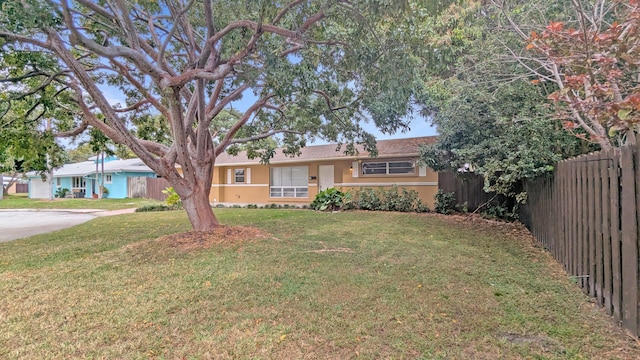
(594, 59)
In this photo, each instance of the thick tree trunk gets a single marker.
(199, 211)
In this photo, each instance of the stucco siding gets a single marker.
(256, 191)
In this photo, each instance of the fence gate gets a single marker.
(136, 187)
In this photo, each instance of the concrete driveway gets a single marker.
(17, 224)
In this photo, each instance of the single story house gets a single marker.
(82, 181)
(297, 180)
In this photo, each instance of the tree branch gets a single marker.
(239, 124)
(263, 136)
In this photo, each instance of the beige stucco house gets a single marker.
(297, 180)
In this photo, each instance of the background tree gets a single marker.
(488, 112)
(24, 148)
(591, 55)
(312, 69)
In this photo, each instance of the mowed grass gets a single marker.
(320, 286)
(21, 201)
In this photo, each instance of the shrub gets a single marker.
(444, 202)
(328, 199)
(158, 207)
(368, 199)
(62, 193)
(501, 211)
(391, 199)
(173, 199)
(105, 191)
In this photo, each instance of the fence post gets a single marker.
(629, 242)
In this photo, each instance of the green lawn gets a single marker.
(320, 286)
(22, 202)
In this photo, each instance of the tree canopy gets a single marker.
(316, 69)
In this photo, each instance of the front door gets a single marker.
(325, 177)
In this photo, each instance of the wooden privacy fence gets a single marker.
(466, 188)
(586, 215)
(136, 187)
(154, 188)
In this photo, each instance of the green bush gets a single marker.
(62, 193)
(328, 199)
(391, 199)
(444, 202)
(173, 199)
(158, 207)
(501, 211)
(368, 199)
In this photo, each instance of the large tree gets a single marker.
(312, 68)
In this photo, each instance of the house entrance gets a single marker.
(325, 177)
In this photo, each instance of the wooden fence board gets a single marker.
(599, 263)
(605, 167)
(629, 243)
(563, 216)
(591, 207)
(584, 251)
(574, 219)
(616, 265)
(637, 236)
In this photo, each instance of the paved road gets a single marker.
(16, 224)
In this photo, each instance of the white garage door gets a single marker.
(38, 189)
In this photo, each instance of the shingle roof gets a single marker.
(386, 148)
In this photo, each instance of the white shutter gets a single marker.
(422, 170)
(248, 176)
(355, 171)
(229, 176)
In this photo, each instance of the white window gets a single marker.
(395, 167)
(58, 182)
(239, 176)
(108, 179)
(289, 182)
(78, 182)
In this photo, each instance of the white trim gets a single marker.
(239, 185)
(229, 178)
(425, 183)
(422, 171)
(355, 169)
(247, 175)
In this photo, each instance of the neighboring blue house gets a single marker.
(82, 181)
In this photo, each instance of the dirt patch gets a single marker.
(221, 236)
(544, 342)
(476, 221)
